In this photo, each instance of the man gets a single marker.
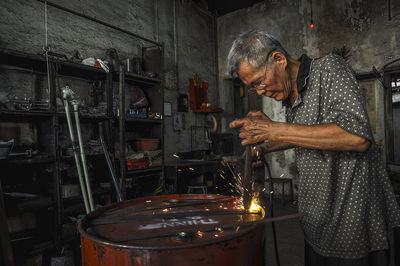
(344, 191)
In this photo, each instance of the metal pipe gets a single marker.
(172, 215)
(121, 114)
(99, 21)
(184, 204)
(215, 34)
(109, 164)
(66, 94)
(157, 24)
(75, 105)
(247, 178)
(176, 45)
(112, 173)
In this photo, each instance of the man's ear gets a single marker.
(279, 59)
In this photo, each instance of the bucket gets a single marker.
(189, 229)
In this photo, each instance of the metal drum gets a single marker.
(190, 229)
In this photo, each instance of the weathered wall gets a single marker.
(362, 26)
(188, 50)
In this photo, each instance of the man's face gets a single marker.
(271, 80)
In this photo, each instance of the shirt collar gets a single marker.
(302, 76)
(304, 72)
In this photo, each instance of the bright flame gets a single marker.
(255, 207)
(175, 155)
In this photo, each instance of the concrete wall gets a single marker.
(188, 39)
(362, 26)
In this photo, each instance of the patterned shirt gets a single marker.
(346, 197)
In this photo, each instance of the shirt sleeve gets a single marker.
(344, 101)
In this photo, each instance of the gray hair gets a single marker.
(253, 47)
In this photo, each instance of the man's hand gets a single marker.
(254, 128)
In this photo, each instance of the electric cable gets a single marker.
(271, 207)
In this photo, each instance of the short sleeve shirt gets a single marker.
(346, 197)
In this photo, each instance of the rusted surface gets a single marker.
(172, 241)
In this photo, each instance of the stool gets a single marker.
(283, 181)
(192, 189)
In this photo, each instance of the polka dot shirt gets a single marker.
(346, 197)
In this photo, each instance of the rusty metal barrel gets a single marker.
(189, 229)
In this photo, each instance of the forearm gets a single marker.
(322, 137)
(272, 146)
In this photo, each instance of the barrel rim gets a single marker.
(98, 240)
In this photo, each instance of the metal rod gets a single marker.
(82, 153)
(247, 178)
(172, 215)
(198, 202)
(109, 164)
(112, 173)
(212, 228)
(99, 21)
(66, 93)
(121, 113)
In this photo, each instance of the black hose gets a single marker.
(271, 208)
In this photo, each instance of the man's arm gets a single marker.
(322, 137)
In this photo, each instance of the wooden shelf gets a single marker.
(85, 116)
(28, 161)
(20, 113)
(143, 120)
(35, 204)
(144, 171)
(38, 63)
(140, 79)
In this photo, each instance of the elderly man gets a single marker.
(344, 191)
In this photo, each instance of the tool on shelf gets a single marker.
(78, 150)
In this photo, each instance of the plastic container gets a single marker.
(147, 144)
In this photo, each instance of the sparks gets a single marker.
(175, 155)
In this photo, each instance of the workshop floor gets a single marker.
(289, 237)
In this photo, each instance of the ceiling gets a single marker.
(222, 7)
